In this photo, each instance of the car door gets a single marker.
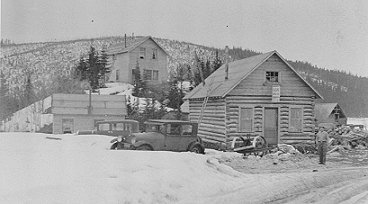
(187, 136)
(172, 137)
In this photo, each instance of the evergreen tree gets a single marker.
(93, 68)
(104, 69)
(29, 95)
(139, 85)
(217, 63)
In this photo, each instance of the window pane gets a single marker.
(104, 127)
(142, 52)
(118, 126)
(147, 74)
(154, 53)
(155, 75)
(272, 76)
(186, 130)
(296, 120)
(246, 117)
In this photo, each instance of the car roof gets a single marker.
(160, 121)
(117, 121)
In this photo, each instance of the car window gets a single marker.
(173, 129)
(118, 126)
(153, 128)
(128, 127)
(104, 127)
(186, 130)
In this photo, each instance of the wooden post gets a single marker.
(226, 62)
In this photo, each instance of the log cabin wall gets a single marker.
(255, 92)
(212, 127)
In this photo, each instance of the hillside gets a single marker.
(50, 64)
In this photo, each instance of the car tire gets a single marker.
(144, 148)
(196, 149)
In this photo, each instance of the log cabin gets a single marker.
(261, 95)
(144, 52)
(329, 113)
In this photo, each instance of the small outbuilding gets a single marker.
(257, 96)
(330, 113)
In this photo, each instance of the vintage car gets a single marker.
(166, 135)
(113, 128)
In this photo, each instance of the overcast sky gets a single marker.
(330, 34)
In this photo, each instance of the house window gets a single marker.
(154, 53)
(245, 119)
(272, 76)
(155, 75)
(296, 120)
(147, 74)
(142, 52)
(117, 75)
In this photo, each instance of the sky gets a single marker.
(329, 34)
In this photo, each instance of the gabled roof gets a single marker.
(120, 47)
(324, 110)
(217, 86)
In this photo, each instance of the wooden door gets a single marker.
(271, 125)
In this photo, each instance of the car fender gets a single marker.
(139, 143)
(195, 143)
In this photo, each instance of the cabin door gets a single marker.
(271, 125)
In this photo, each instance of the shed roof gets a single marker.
(324, 110)
(120, 48)
(217, 86)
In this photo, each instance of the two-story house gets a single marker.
(146, 53)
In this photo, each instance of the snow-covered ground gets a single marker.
(41, 168)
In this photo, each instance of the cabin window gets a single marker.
(155, 75)
(272, 76)
(117, 75)
(147, 74)
(150, 74)
(154, 53)
(296, 120)
(113, 57)
(142, 52)
(246, 119)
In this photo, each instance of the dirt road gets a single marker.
(300, 179)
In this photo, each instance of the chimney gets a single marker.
(125, 39)
(226, 62)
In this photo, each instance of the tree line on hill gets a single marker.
(350, 91)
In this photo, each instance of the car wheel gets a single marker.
(196, 149)
(144, 148)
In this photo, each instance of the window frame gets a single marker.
(272, 76)
(117, 75)
(154, 53)
(292, 120)
(142, 52)
(145, 71)
(155, 77)
(240, 120)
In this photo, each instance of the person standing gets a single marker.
(322, 140)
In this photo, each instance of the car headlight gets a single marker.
(120, 139)
(132, 140)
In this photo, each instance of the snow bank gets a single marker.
(45, 168)
(42, 168)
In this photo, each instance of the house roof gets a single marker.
(120, 48)
(324, 110)
(217, 86)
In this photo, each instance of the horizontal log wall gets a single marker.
(212, 127)
(234, 103)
